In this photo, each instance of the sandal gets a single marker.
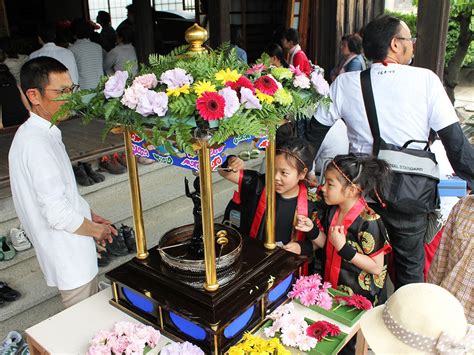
(7, 293)
(244, 155)
(6, 247)
(254, 154)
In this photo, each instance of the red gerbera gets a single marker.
(241, 82)
(359, 302)
(321, 329)
(211, 106)
(267, 85)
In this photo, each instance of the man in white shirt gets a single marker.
(88, 55)
(47, 36)
(59, 222)
(409, 102)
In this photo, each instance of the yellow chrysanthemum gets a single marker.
(263, 97)
(283, 97)
(202, 86)
(227, 75)
(178, 91)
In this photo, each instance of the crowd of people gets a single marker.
(345, 226)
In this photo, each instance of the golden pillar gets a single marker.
(207, 210)
(270, 188)
(140, 239)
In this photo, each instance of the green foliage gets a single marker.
(458, 8)
(175, 129)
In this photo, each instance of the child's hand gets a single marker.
(337, 237)
(235, 164)
(303, 223)
(293, 247)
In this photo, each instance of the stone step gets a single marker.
(164, 207)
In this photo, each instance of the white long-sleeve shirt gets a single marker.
(49, 205)
(64, 55)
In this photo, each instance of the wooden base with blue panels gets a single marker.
(150, 291)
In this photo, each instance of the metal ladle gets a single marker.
(222, 240)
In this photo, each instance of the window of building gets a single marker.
(118, 12)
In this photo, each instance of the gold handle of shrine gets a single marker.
(207, 208)
(140, 239)
(270, 189)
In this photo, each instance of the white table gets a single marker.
(70, 331)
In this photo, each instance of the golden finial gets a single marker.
(196, 36)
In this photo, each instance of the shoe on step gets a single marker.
(11, 344)
(97, 177)
(129, 236)
(7, 293)
(118, 246)
(111, 164)
(19, 239)
(81, 176)
(6, 249)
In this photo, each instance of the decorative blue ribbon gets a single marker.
(186, 161)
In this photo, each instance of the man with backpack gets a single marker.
(409, 101)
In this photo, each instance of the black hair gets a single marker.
(275, 50)
(82, 29)
(236, 36)
(103, 17)
(377, 36)
(34, 73)
(6, 77)
(47, 32)
(126, 34)
(354, 42)
(130, 8)
(3, 56)
(296, 152)
(292, 35)
(370, 174)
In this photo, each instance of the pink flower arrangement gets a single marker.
(310, 290)
(124, 338)
(181, 348)
(292, 328)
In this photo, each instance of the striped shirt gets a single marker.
(89, 59)
(453, 264)
(61, 54)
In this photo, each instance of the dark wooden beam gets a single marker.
(219, 22)
(143, 28)
(432, 28)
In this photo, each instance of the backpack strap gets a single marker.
(369, 104)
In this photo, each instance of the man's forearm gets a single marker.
(88, 229)
(460, 153)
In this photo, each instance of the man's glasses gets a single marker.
(67, 90)
(412, 39)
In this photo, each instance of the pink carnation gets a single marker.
(175, 78)
(152, 102)
(319, 83)
(132, 95)
(232, 103)
(116, 84)
(301, 81)
(249, 99)
(148, 81)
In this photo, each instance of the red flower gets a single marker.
(359, 302)
(267, 85)
(321, 329)
(241, 82)
(342, 300)
(211, 106)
